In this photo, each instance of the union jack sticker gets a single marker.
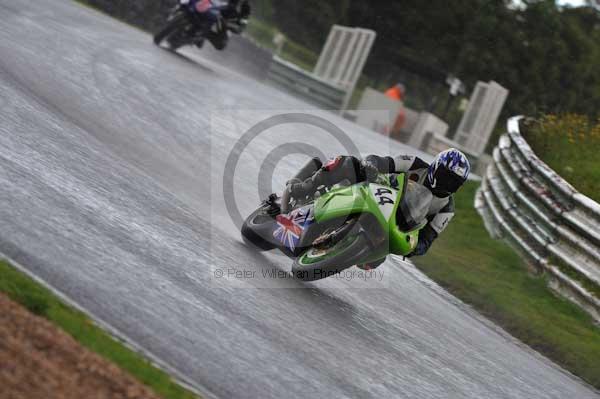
(291, 226)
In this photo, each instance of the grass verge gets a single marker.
(39, 300)
(569, 144)
(491, 277)
(264, 33)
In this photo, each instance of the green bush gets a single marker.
(299, 55)
(262, 32)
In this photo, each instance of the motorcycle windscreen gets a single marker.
(414, 206)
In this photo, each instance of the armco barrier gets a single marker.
(524, 201)
(306, 85)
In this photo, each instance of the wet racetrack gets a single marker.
(112, 153)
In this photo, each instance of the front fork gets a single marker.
(193, 31)
(175, 10)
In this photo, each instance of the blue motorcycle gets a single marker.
(192, 21)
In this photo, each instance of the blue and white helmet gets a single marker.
(448, 172)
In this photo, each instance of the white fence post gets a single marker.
(343, 58)
(481, 116)
(336, 74)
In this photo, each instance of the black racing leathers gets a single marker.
(232, 15)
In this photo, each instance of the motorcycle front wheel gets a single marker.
(180, 20)
(318, 263)
(256, 227)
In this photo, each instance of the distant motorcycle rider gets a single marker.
(443, 177)
(233, 18)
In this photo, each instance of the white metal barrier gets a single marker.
(524, 201)
(481, 116)
(336, 74)
(305, 85)
(344, 56)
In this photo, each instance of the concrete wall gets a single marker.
(427, 125)
(377, 112)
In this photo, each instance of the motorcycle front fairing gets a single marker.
(358, 203)
(376, 208)
(293, 233)
(393, 217)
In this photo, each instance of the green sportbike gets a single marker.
(342, 226)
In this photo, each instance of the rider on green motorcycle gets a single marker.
(443, 177)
